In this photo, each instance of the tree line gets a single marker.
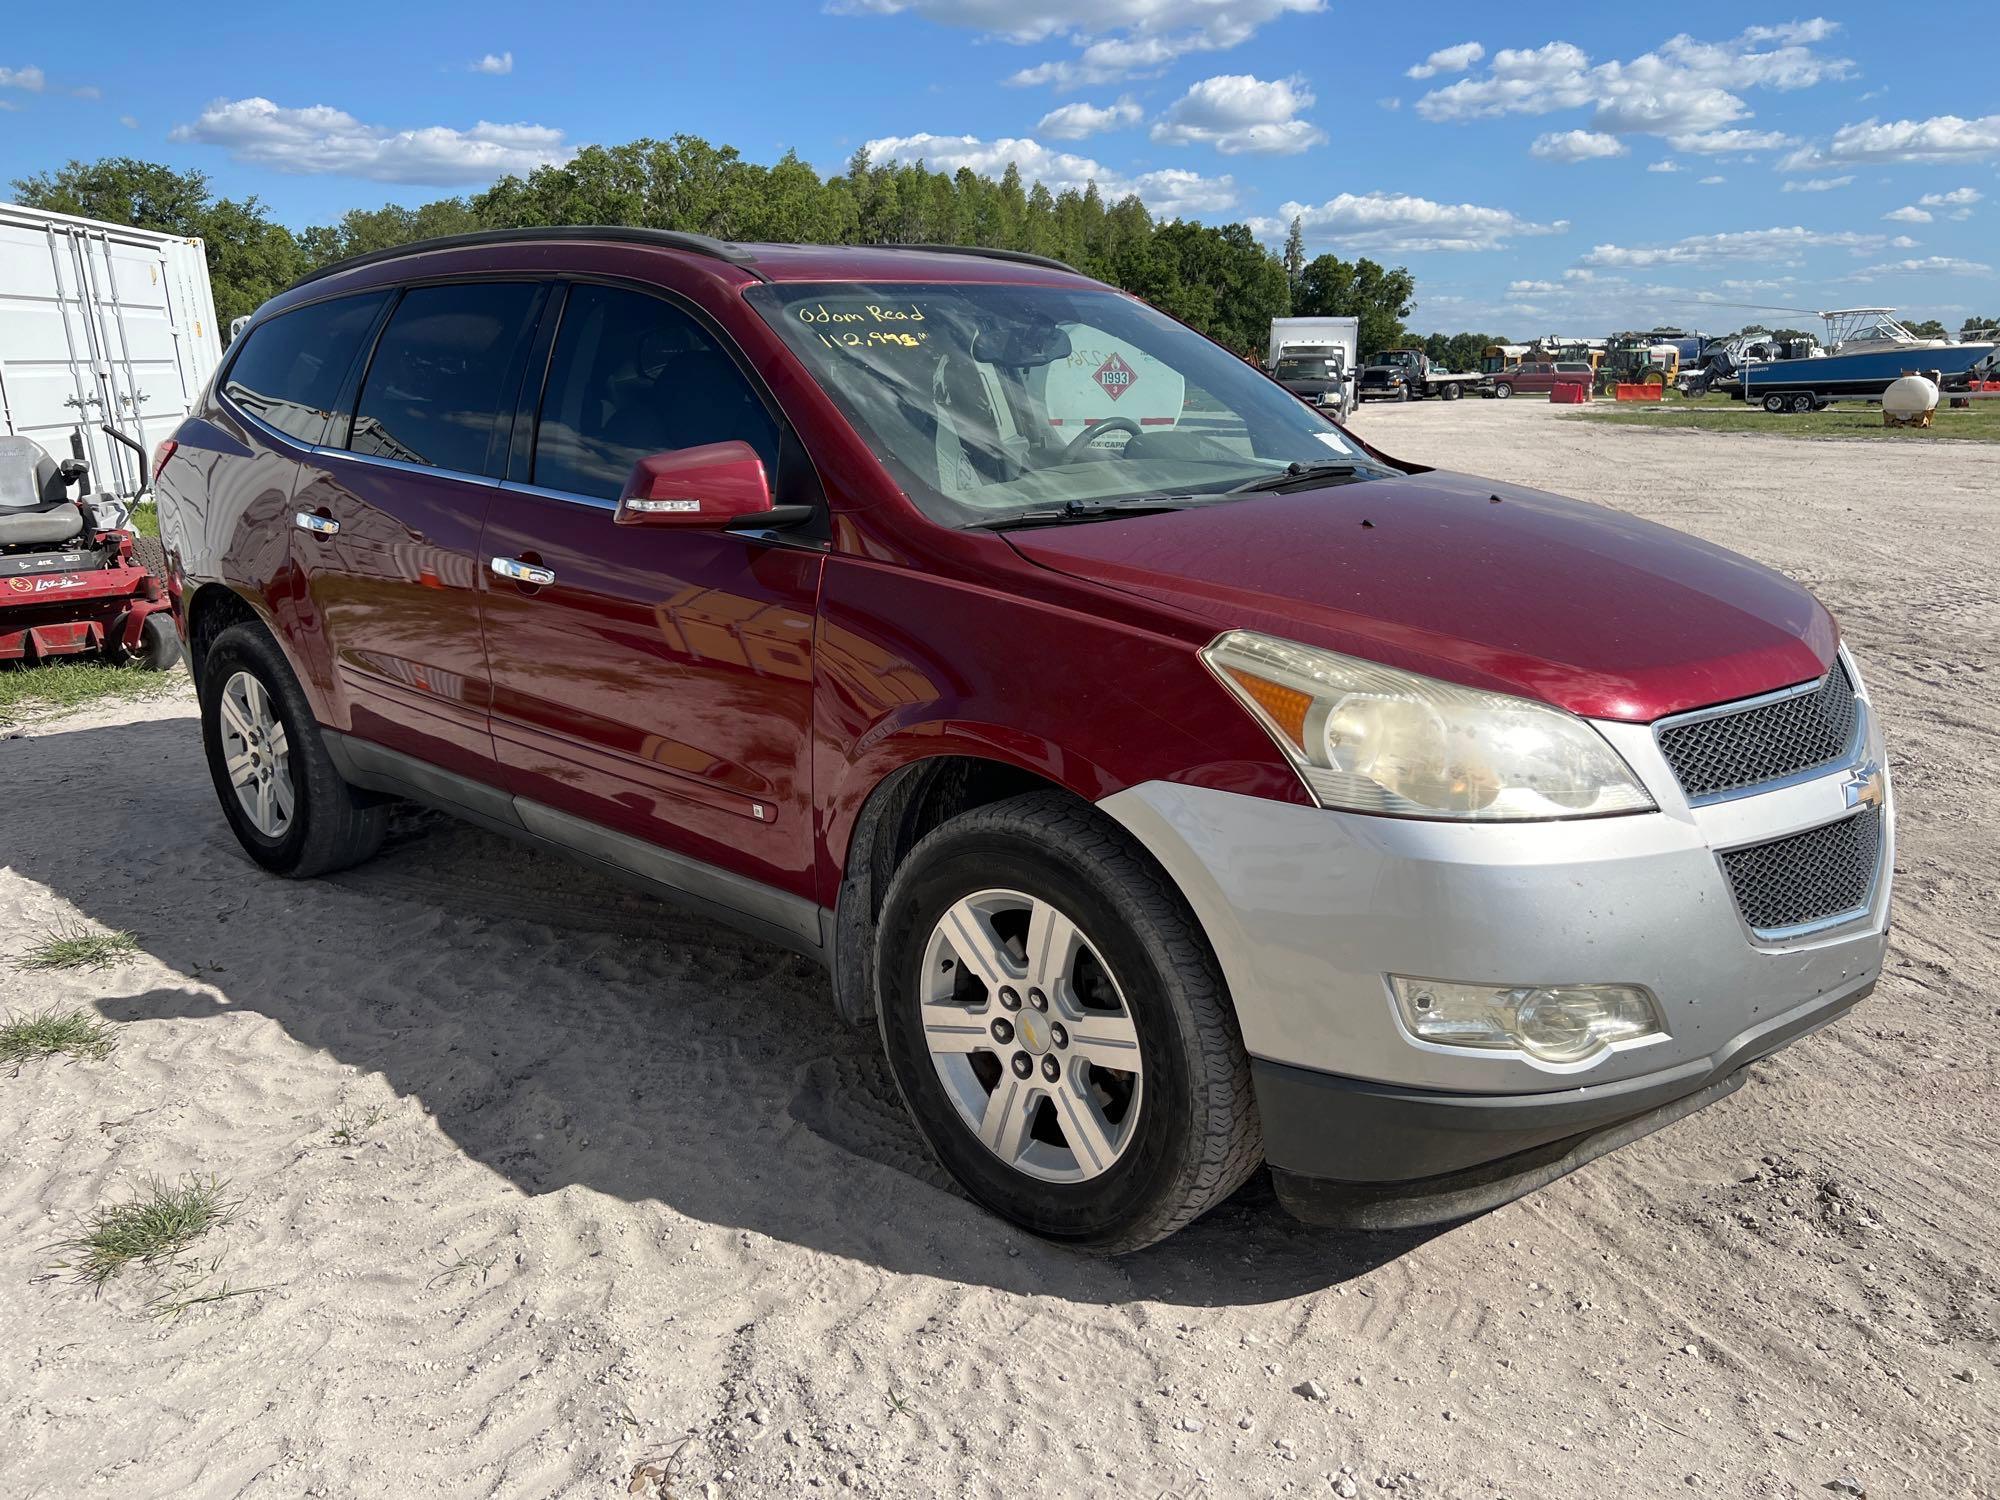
(1220, 279)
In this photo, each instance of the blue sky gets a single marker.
(1540, 169)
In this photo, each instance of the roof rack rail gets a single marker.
(666, 239)
(1022, 257)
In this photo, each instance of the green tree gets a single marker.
(1929, 328)
(1330, 287)
(249, 256)
(1978, 325)
(1295, 252)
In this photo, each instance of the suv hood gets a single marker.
(1491, 586)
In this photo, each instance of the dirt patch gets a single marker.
(542, 1187)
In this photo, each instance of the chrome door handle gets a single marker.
(305, 520)
(521, 572)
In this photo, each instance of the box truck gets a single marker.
(1315, 359)
(100, 323)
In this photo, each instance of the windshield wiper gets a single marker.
(1301, 474)
(1082, 510)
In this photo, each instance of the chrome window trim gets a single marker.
(1846, 758)
(542, 491)
(404, 466)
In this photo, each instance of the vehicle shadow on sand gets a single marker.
(564, 1030)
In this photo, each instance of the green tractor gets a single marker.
(1638, 359)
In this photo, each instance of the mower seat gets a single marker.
(35, 508)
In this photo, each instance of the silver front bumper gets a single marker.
(1308, 912)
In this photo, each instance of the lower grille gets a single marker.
(1815, 876)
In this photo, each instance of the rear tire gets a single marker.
(1160, 1142)
(325, 825)
(1449, 391)
(1775, 405)
(1802, 404)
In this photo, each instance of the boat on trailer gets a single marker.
(1866, 351)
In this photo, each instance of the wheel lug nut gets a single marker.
(1059, 1036)
(1010, 1000)
(1051, 1069)
(1037, 999)
(1003, 1031)
(1023, 1065)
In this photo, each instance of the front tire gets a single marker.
(284, 800)
(1502, 390)
(159, 647)
(1059, 1029)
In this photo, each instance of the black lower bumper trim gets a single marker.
(1360, 1155)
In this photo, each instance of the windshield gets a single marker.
(1308, 367)
(989, 402)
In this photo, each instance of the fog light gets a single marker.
(1556, 1023)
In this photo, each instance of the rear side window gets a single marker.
(440, 389)
(632, 376)
(290, 370)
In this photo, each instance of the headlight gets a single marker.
(1368, 738)
(1556, 1023)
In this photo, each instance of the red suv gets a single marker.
(1179, 783)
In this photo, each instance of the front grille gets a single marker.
(1814, 876)
(1728, 752)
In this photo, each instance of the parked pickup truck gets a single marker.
(1405, 375)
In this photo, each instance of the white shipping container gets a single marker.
(100, 323)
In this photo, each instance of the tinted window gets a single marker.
(290, 370)
(441, 387)
(631, 376)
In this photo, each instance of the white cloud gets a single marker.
(130, 122)
(1716, 142)
(1398, 222)
(1902, 242)
(1448, 60)
(1682, 88)
(1746, 244)
(87, 91)
(1817, 184)
(1964, 195)
(321, 139)
(1117, 38)
(1712, 181)
(1942, 138)
(1075, 121)
(30, 78)
(1577, 145)
(1910, 215)
(1390, 103)
(1238, 114)
(1532, 288)
(1929, 265)
(1169, 193)
(1669, 165)
(496, 64)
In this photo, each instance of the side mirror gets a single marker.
(715, 487)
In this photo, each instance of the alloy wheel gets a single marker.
(257, 755)
(1031, 1036)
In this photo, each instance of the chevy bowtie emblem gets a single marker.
(1866, 788)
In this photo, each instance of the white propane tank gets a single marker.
(1909, 397)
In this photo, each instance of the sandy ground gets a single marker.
(541, 1182)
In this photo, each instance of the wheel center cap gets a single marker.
(1033, 1029)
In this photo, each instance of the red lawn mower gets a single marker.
(75, 580)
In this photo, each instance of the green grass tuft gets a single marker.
(71, 945)
(154, 1227)
(54, 1033)
(68, 683)
(1978, 423)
